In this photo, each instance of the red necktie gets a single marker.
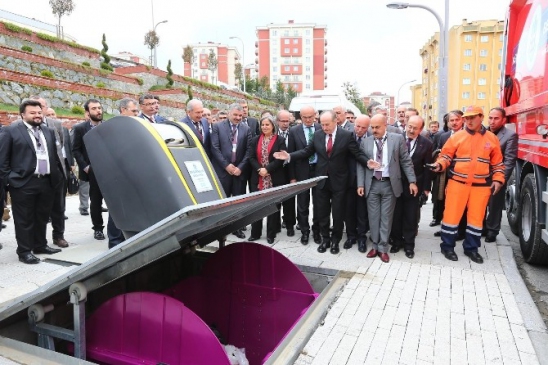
(329, 145)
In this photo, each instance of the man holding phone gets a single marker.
(475, 171)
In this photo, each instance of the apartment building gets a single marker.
(388, 101)
(295, 53)
(227, 57)
(474, 60)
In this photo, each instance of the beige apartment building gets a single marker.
(475, 54)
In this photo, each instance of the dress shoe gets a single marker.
(437, 234)
(474, 256)
(490, 238)
(84, 212)
(251, 238)
(298, 227)
(434, 223)
(450, 255)
(409, 254)
(290, 232)
(3, 226)
(362, 245)
(29, 258)
(384, 257)
(317, 237)
(395, 249)
(334, 248)
(46, 250)
(65, 217)
(283, 224)
(349, 243)
(372, 253)
(304, 238)
(61, 242)
(103, 209)
(270, 240)
(238, 233)
(326, 243)
(98, 235)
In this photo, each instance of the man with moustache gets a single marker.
(94, 117)
(333, 145)
(356, 220)
(29, 163)
(406, 213)
(299, 137)
(381, 181)
(150, 105)
(288, 206)
(401, 118)
(199, 125)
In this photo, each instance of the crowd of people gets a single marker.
(377, 173)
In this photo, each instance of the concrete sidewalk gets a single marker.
(427, 310)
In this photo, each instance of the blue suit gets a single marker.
(206, 137)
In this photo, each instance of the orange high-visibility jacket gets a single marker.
(473, 157)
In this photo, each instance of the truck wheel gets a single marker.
(512, 207)
(534, 250)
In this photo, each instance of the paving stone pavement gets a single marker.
(427, 310)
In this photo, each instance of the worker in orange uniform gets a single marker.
(475, 171)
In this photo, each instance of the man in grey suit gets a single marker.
(509, 146)
(381, 181)
(340, 116)
(230, 142)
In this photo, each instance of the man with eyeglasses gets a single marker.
(221, 116)
(128, 107)
(283, 117)
(149, 108)
(342, 121)
(350, 117)
(299, 170)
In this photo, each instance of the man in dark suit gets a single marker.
(509, 145)
(342, 121)
(30, 165)
(356, 220)
(299, 137)
(406, 214)
(251, 122)
(230, 142)
(59, 200)
(289, 217)
(198, 125)
(150, 105)
(94, 117)
(381, 181)
(333, 145)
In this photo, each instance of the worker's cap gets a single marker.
(472, 110)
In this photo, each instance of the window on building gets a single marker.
(482, 81)
(275, 77)
(498, 66)
(286, 50)
(466, 95)
(295, 68)
(295, 77)
(481, 96)
(307, 86)
(307, 50)
(296, 86)
(275, 69)
(274, 59)
(295, 50)
(287, 60)
(274, 33)
(501, 38)
(467, 52)
(468, 38)
(307, 77)
(203, 64)
(483, 53)
(307, 59)
(307, 32)
(466, 81)
(484, 39)
(483, 67)
(295, 40)
(286, 33)
(287, 68)
(286, 78)
(500, 51)
(296, 60)
(295, 32)
(307, 68)
(466, 67)
(286, 41)
(307, 42)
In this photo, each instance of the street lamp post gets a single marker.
(443, 50)
(402, 85)
(155, 60)
(243, 62)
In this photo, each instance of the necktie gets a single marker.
(41, 150)
(244, 121)
(312, 158)
(198, 126)
(380, 146)
(408, 143)
(329, 148)
(359, 141)
(234, 139)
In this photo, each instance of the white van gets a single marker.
(321, 100)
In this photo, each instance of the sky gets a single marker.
(368, 44)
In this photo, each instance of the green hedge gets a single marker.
(47, 73)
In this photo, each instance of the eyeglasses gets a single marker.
(150, 104)
(134, 110)
(350, 117)
(222, 118)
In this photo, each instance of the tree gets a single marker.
(279, 93)
(169, 75)
(239, 74)
(105, 65)
(291, 93)
(60, 8)
(189, 93)
(353, 95)
(212, 63)
(188, 57)
(151, 41)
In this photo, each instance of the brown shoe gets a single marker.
(372, 253)
(384, 257)
(61, 242)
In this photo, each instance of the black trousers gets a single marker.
(356, 219)
(31, 206)
(234, 185)
(288, 217)
(58, 211)
(331, 202)
(272, 225)
(303, 206)
(406, 218)
(491, 225)
(115, 235)
(95, 202)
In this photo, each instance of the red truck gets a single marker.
(525, 98)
